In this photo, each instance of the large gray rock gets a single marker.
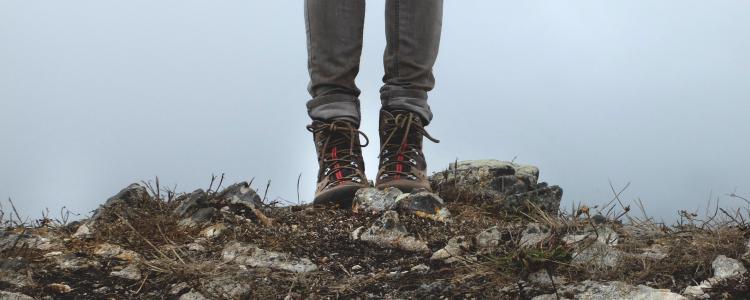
(252, 256)
(510, 184)
(421, 203)
(124, 203)
(388, 232)
(199, 207)
(375, 200)
(724, 268)
(592, 290)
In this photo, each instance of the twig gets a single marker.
(13, 206)
(298, 179)
(142, 283)
(265, 194)
(141, 236)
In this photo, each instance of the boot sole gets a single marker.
(341, 195)
(405, 185)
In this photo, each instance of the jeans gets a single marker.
(334, 45)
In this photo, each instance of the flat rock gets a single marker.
(226, 287)
(533, 235)
(592, 290)
(455, 250)
(131, 272)
(388, 232)
(421, 203)
(375, 200)
(250, 255)
(14, 296)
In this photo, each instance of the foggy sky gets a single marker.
(95, 95)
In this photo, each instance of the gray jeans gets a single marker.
(334, 46)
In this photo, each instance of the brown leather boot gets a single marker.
(341, 168)
(402, 163)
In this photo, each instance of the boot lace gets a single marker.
(398, 159)
(337, 154)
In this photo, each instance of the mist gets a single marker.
(95, 95)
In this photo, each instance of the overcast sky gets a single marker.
(95, 95)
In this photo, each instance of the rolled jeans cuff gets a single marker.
(334, 107)
(409, 100)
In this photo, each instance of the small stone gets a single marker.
(196, 247)
(226, 287)
(252, 256)
(420, 269)
(193, 296)
(178, 288)
(130, 272)
(213, 230)
(613, 290)
(533, 235)
(423, 204)
(53, 253)
(489, 238)
(388, 232)
(356, 268)
(725, 267)
(107, 250)
(83, 232)
(59, 288)
(455, 250)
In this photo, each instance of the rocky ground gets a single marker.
(490, 230)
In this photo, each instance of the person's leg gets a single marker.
(413, 37)
(334, 45)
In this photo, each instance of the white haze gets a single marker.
(95, 95)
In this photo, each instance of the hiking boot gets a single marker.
(341, 168)
(402, 163)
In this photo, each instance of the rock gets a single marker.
(213, 230)
(14, 296)
(242, 194)
(597, 254)
(243, 254)
(9, 240)
(83, 232)
(375, 200)
(541, 278)
(511, 184)
(420, 269)
(423, 204)
(58, 288)
(725, 267)
(455, 250)
(128, 197)
(592, 290)
(190, 203)
(200, 216)
(655, 252)
(226, 287)
(489, 239)
(130, 272)
(107, 250)
(533, 235)
(388, 232)
(13, 272)
(178, 288)
(193, 296)
(70, 262)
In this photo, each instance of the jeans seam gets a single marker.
(397, 39)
